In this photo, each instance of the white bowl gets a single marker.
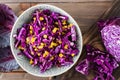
(23, 61)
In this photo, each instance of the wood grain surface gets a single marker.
(86, 13)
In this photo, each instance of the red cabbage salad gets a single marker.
(48, 40)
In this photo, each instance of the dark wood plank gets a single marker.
(20, 76)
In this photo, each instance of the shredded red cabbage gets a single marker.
(110, 33)
(102, 63)
(48, 40)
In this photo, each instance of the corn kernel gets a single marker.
(31, 61)
(42, 44)
(34, 19)
(63, 33)
(66, 46)
(40, 47)
(43, 28)
(59, 33)
(52, 44)
(20, 47)
(65, 26)
(38, 54)
(32, 53)
(61, 55)
(45, 36)
(56, 23)
(70, 25)
(59, 41)
(51, 58)
(31, 31)
(41, 18)
(64, 22)
(31, 28)
(46, 53)
(27, 40)
(54, 30)
(45, 23)
(36, 49)
(72, 54)
(33, 39)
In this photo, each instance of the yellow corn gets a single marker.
(20, 47)
(72, 54)
(70, 25)
(66, 46)
(34, 19)
(43, 28)
(42, 44)
(45, 54)
(32, 53)
(33, 39)
(41, 18)
(36, 49)
(27, 40)
(54, 30)
(50, 46)
(59, 41)
(40, 47)
(56, 23)
(45, 23)
(31, 61)
(31, 31)
(64, 22)
(45, 36)
(51, 58)
(30, 40)
(38, 54)
(64, 26)
(53, 44)
(31, 28)
(59, 33)
(61, 55)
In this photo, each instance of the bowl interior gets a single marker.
(23, 61)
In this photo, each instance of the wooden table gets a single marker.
(85, 12)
